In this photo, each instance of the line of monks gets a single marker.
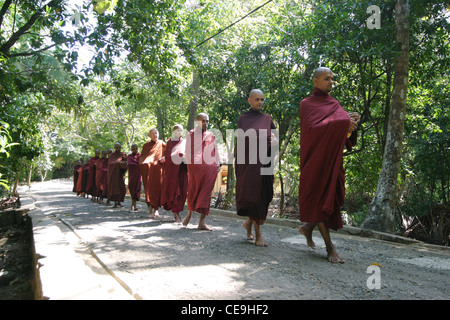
(325, 129)
(165, 180)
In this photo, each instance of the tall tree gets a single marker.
(382, 209)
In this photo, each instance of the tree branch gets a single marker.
(16, 35)
(3, 11)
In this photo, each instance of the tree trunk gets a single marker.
(381, 212)
(194, 99)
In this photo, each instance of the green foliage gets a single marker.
(140, 73)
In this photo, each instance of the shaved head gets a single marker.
(323, 79)
(255, 91)
(319, 71)
(256, 99)
(202, 120)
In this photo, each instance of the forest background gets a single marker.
(76, 76)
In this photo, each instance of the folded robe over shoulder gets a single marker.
(254, 191)
(152, 171)
(202, 160)
(116, 177)
(323, 134)
(175, 184)
(134, 176)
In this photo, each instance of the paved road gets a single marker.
(158, 259)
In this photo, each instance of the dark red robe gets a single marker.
(134, 176)
(324, 127)
(175, 184)
(75, 177)
(80, 180)
(90, 187)
(116, 176)
(202, 162)
(84, 177)
(152, 171)
(254, 191)
(101, 178)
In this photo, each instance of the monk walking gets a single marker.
(75, 175)
(151, 164)
(175, 184)
(325, 129)
(134, 176)
(91, 189)
(101, 176)
(254, 190)
(84, 178)
(203, 163)
(117, 166)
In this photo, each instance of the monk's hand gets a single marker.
(355, 116)
(353, 125)
(162, 160)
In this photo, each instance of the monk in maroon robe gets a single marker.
(325, 128)
(91, 189)
(101, 178)
(80, 180)
(203, 163)
(151, 163)
(175, 183)
(117, 166)
(84, 178)
(75, 175)
(134, 176)
(254, 189)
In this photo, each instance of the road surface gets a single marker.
(159, 259)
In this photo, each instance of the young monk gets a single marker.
(134, 176)
(151, 164)
(101, 177)
(325, 127)
(75, 175)
(117, 166)
(203, 163)
(175, 184)
(91, 188)
(254, 190)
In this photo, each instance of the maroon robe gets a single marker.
(175, 184)
(254, 191)
(202, 162)
(152, 171)
(80, 180)
(101, 178)
(324, 127)
(91, 188)
(75, 177)
(134, 176)
(116, 176)
(84, 177)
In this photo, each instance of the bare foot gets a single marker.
(308, 235)
(333, 257)
(203, 226)
(187, 219)
(248, 226)
(177, 217)
(261, 243)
